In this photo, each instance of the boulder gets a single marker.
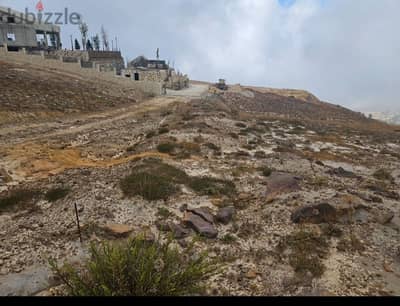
(342, 173)
(279, 183)
(225, 215)
(118, 230)
(179, 231)
(203, 212)
(317, 214)
(385, 218)
(200, 225)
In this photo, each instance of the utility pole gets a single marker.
(72, 44)
(78, 223)
(116, 43)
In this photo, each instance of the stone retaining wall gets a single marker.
(149, 88)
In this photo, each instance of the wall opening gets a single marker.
(10, 19)
(10, 36)
(136, 76)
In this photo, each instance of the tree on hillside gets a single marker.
(104, 37)
(77, 45)
(83, 28)
(96, 42)
(89, 46)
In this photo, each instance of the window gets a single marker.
(10, 36)
(10, 19)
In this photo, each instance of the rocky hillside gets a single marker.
(34, 94)
(289, 197)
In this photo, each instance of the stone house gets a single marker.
(18, 31)
(143, 69)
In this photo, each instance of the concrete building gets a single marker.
(143, 69)
(17, 31)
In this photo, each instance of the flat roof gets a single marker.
(32, 21)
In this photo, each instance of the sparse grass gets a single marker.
(350, 244)
(383, 175)
(241, 170)
(228, 239)
(248, 229)
(56, 194)
(320, 181)
(307, 250)
(136, 268)
(153, 181)
(164, 213)
(17, 199)
(151, 187)
(212, 187)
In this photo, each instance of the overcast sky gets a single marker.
(344, 51)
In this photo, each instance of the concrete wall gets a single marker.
(150, 88)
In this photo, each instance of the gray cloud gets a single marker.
(346, 52)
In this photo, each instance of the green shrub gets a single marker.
(307, 251)
(56, 194)
(151, 187)
(150, 134)
(163, 130)
(167, 147)
(164, 213)
(212, 186)
(266, 171)
(136, 268)
(153, 181)
(228, 239)
(17, 197)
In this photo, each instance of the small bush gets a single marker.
(17, 198)
(164, 213)
(151, 187)
(163, 130)
(153, 180)
(241, 125)
(266, 171)
(212, 146)
(150, 134)
(167, 147)
(56, 194)
(212, 187)
(228, 239)
(136, 268)
(307, 250)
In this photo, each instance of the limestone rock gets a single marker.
(119, 230)
(225, 215)
(200, 225)
(279, 183)
(342, 173)
(203, 212)
(317, 214)
(385, 218)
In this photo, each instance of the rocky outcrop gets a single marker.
(225, 215)
(317, 214)
(201, 225)
(279, 183)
